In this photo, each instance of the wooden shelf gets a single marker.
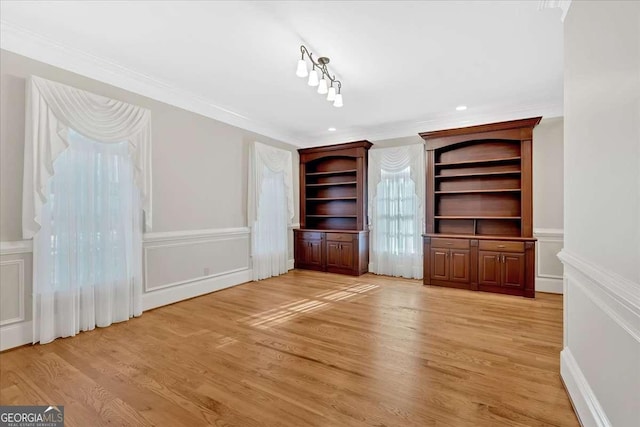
(332, 216)
(475, 217)
(346, 171)
(331, 184)
(467, 175)
(500, 190)
(319, 199)
(480, 237)
(479, 162)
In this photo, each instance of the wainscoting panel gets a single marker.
(549, 268)
(599, 364)
(11, 291)
(15, 294)
(173, 259)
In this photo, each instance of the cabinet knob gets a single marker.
(501, 246)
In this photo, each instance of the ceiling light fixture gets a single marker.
(331, 129)
(461, 107)
(322, 81)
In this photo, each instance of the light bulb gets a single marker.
(322, 87)
(338, 101)
(331, 96)
(313, 78)
(302, 69)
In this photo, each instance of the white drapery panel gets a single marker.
(88, 251)
(396, 210)
(52, 110)
(270, 208)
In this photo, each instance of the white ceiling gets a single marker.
(404, 66)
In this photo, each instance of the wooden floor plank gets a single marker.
(310, 349)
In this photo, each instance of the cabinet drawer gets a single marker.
(340, 237)
(309, 235)
(501, 246)
(450, 243)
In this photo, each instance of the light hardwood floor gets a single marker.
(309, 349)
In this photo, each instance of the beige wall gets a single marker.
(199, 183)
(600, 363)
(199, 164)
(548, 167)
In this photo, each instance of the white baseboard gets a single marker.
(551, 286)
(589, 411)
(291, 264)
(195, 288)
(16, 335)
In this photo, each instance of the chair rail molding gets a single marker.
(16, 247)
(617, 296)
(209, 233)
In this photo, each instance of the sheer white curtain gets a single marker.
(270, 208)
(88, 249)
(87, 180)
(396, 210)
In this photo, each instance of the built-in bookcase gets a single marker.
(333, 187)
(331, 193)
(478, 188)
(479, 208)
(333, 233)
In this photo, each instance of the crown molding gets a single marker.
(27, 43)
(33, 45)
(441, 121)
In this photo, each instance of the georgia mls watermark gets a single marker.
(32, 416)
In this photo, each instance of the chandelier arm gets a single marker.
(322, 67)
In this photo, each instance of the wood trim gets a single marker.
(526, 177)
(355, 144)
(430, 189)
(477, 237)
(511, 124)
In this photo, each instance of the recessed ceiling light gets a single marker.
(461, 107)
(331, 129)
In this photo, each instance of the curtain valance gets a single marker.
(54, 108)
(277, 160)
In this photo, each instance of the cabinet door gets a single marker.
(439, 264)
(309, 252)
(333, 254)
(459, 265)
(489, 268)
(513, 270)
(346, 255)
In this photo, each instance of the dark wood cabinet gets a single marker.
(308, 252)
(345, 252)
(439, 264)
(489, 273)
(459, 265)
(513, 267)
(333, 203)
(479, 230)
